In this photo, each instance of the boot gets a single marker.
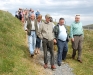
(53, 67)
(45, 66)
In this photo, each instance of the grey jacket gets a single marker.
(46, 31)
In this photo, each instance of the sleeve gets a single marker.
(71, 31)
(39, 33)
(83, 31)
(25, 25)
(55, 32)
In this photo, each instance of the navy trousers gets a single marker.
(62, 50)
(38, 42)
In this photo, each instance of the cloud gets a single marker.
(56, 8)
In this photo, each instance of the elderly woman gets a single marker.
(38, 40)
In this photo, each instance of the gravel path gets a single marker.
(64, 69)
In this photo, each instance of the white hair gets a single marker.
(77, 16)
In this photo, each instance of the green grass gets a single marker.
(85, 68)
(14, 54)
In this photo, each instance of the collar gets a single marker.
(61, 25)
(77, 22)
(38, 22)
(47, 22)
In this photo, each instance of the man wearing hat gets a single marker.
(46, 34)
(76, 34)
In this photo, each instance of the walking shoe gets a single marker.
(36, 51)
(80, 61)
(73, 57)
(59, 64)
(53, 67)
(32, 55)
(45, 66)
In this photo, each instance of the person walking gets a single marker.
(37, 13)
(77, 34)
(38, 40)
(46, 34)
(61, 40)
(31, 28)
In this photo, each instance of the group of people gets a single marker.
(23, 14)
(50, 34)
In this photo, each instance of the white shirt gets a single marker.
(38, 24)
(33, 26)
(62, 33)
(53, 24)
(25, 25)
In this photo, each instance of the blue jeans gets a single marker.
(32, 42)
(38, 42)
(62, 50)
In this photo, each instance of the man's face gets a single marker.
(61, 22)
(47, 19)
(77, 19)
(32, 17)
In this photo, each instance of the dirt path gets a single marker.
(64, 69)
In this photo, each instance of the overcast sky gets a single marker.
(56, 8)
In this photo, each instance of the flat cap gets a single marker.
(47, 15)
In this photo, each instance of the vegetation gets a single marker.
(85, 68)
(88, 26)
(15, 58)
(14, 55)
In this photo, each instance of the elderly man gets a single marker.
(46, 34)
(61, 40)
(31, 27)
(76, 34)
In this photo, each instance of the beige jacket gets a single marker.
(46, 31)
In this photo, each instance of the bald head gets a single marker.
(77, 18)
(32, 16)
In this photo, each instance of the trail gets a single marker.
(64, 69)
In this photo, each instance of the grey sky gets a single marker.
(56, 8)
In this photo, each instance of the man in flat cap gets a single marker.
(46, 34)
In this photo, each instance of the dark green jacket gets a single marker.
(29, 26)
(56, 32)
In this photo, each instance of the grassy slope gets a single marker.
(14, 54)
(91, 25)
(86, 68)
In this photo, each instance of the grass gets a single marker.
(14, 54)
(86, 68)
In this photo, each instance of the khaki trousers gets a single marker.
(77, 45)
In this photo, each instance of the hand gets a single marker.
(72, 39)
(26, 30)
(55, 41)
